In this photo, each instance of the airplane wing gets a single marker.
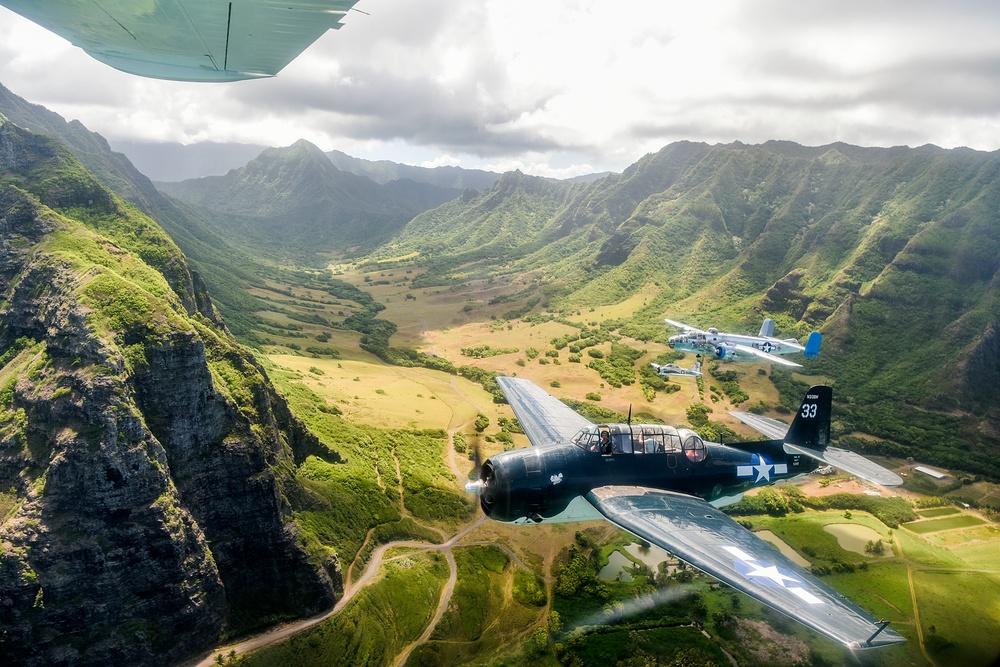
(676, 371)
(772, 428)
(842, 459)
(708, 539)
(763, 356)
(684, 327)
(545, 419)
(189, 40)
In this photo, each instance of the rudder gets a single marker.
(767, 328)
(811, 426)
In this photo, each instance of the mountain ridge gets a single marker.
(144, 456)
(296, 198)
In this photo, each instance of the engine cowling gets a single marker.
(516, 485)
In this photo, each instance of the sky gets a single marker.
(565, 87)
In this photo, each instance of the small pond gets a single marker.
(617, 562)
(783, 547)
(853, 537)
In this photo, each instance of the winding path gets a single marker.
(351, 588)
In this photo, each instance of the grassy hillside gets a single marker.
(892, 253)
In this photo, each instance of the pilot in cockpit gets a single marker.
(605, 445)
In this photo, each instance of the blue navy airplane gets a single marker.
(665, 485)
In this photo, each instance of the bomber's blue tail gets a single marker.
(812, 344)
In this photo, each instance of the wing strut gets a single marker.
(883, 624)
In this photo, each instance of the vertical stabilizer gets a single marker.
(811, 426)
(812, 345)
(767, 328)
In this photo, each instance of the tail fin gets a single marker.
(812, 345)
(811, 426)
(767, 328)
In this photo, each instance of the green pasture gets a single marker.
(374, 627)
(375, 393)
(934, 525)
(984, 554)
(353, 482)
(919, 552)
(484, 615)
(416, 310)
(954, 538)
(960, 616)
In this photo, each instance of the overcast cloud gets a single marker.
(565, 87)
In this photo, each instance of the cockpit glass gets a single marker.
(694, 449)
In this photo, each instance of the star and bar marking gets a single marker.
(771, 575)
(762, 468)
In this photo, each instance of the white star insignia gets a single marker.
(763, 470)
(771, 572)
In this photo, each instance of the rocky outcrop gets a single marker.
(145, 459)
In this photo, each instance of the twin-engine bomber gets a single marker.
(665, 485)
(741, 347)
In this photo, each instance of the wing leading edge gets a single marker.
(708, 539)
(545, 419)
(189, 40)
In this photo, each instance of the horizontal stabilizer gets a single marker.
(851, 463)
(812, 345)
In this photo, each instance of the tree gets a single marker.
(482, 423)
(555, 622)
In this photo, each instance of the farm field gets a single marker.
(935, 525)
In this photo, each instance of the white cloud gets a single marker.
(554, 88)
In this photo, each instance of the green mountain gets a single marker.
(893, 254)
(384, 171)
(294, 200)
(215, 259)
(146, 462)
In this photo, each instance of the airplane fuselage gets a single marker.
(539, 483)
(715, 344)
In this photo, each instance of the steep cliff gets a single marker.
(145, 460)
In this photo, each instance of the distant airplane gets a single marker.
(189, 40)
(739, 347)
(665, 370)
(664, 485)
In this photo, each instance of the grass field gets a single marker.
(938, 512)
(959, 614)
(372, 629)
(934, 525)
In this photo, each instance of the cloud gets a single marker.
(561, 86)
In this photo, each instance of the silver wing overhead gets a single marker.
(708, 539)
(848, 461)
(545, 419)
(189, 40)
